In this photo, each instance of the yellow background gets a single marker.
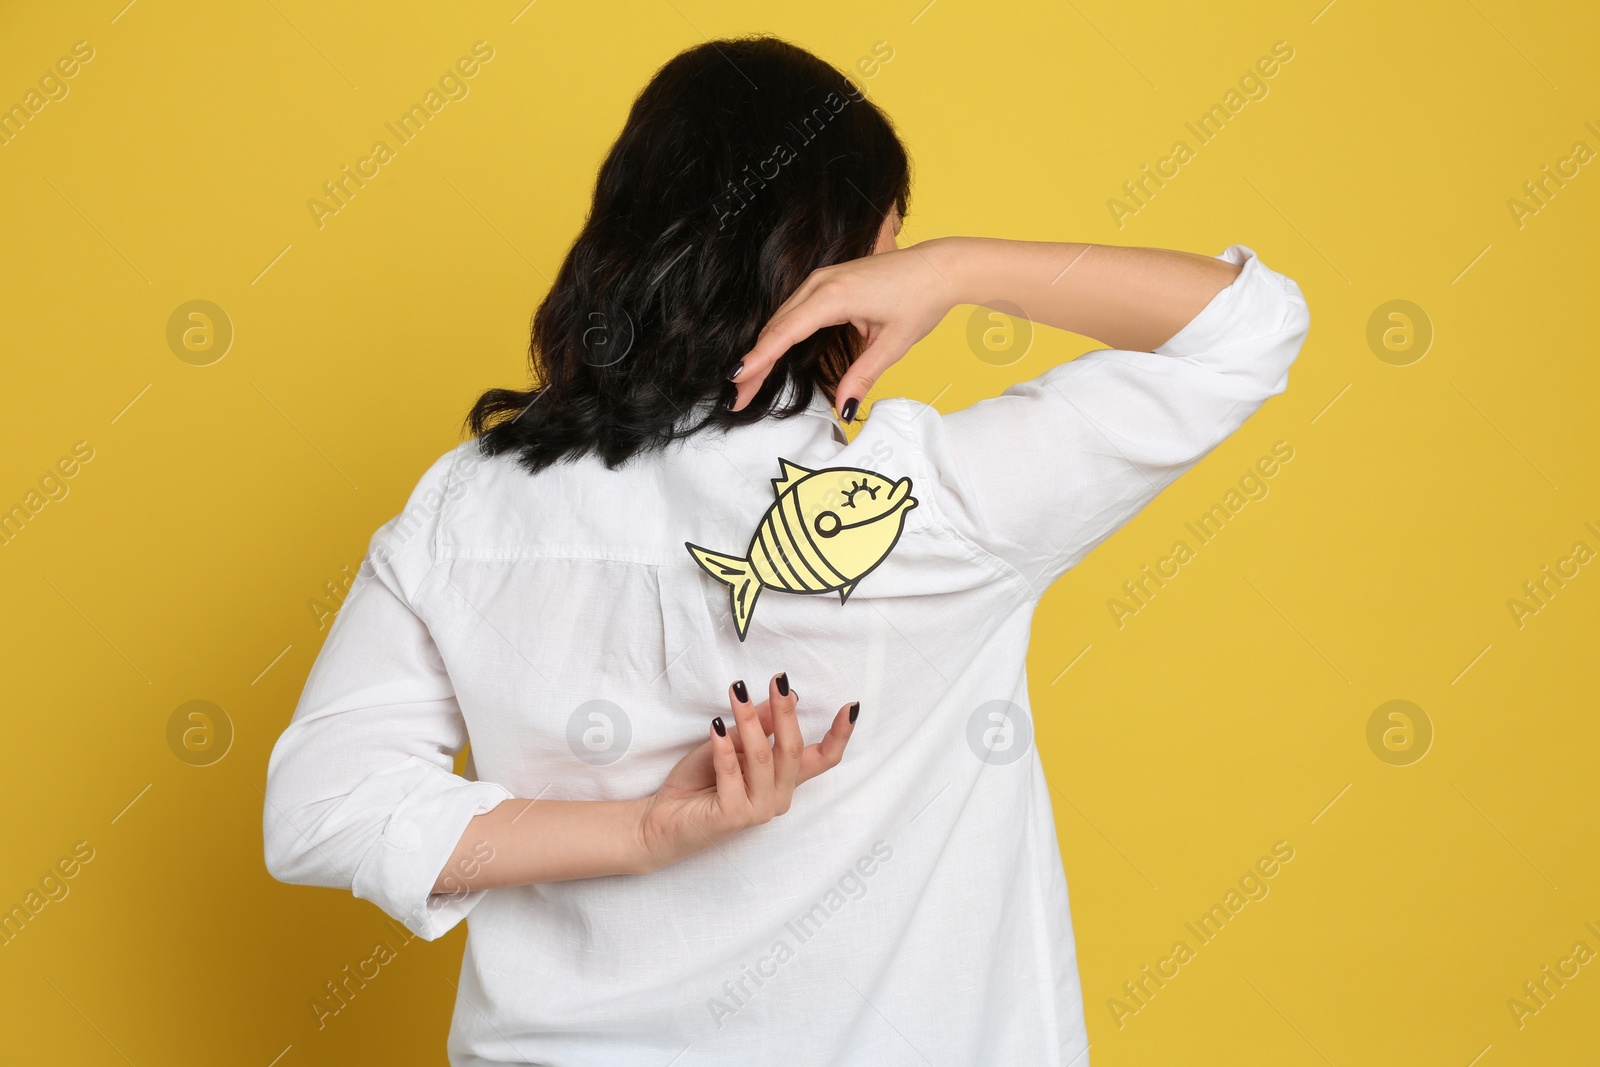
(1228, 714)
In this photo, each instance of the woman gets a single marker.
(670, 511)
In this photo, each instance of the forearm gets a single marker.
(525, 841)
(1134, 299)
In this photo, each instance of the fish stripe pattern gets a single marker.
(814, 579)
(762, 552)
(782, 548)
(788, 510)
(807, 580)
(761, 562)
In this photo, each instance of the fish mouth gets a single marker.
(900, 496)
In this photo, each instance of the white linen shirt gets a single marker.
(910, 907)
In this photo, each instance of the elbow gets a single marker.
(291, 846)
(1298, 320)
(284, 851)
(283, 847)
(1290, 339)
(300, 825)
(1296, 316)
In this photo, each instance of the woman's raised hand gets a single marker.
(1126, 298)
(736, 778)
(894, 299)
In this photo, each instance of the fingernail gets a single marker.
(733, 399)
(783, 684)
(741, 692)
(848, 412)
(716, 724)
(855, 709)
(738, 368)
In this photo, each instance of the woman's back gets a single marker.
(740, 948)
(912, 908)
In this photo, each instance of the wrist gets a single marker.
(953, 259)
(639, 851)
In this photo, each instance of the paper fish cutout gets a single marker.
(824, 532)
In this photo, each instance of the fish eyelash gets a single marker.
(850, 494)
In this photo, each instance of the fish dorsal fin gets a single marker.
(792, 472)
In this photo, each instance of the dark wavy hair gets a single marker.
(744, 165)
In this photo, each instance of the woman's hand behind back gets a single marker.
(736, 778)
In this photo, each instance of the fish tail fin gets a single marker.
(735, 573)
(743, 597)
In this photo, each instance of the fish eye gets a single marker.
(859, 487)
(828, 524)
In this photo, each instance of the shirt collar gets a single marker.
(819, 408)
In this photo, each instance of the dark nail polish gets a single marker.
(741, 692)
(734, 373)
(716, 724)
(855, 709)
(733, 398)
(848, 412)
(783, 684)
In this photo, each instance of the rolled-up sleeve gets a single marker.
(361, 793)
(1043, 473)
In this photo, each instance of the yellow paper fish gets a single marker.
(825, 531)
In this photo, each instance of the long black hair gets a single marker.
(744, 165)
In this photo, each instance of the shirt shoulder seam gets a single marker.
(437, 537)
(978, 552)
